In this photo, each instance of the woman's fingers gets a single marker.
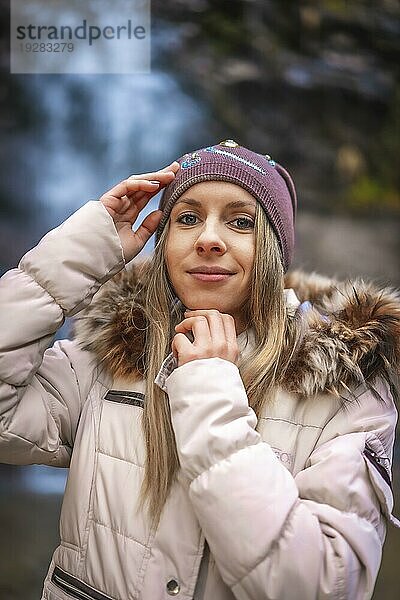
(199, 327)
(139, 200)
(133, 242)
(223, 333)
(127, 198)
(212, 323)
(163, 177)
(230, 328)
(148, 227)
(174, 166)
(129, 186)
(214, 336)
(160, 179)
(148, 182)
(221, 325)
(135, 191)
(134, 194)
(181, 347)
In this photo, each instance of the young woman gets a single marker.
(228, 425)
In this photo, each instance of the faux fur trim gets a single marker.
(113, 326)
(352, 335)
(351, 332)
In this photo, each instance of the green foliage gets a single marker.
(336, 6)
(223, 28)
(368, 194)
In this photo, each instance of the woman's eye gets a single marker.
(187, 219)
(243, 223)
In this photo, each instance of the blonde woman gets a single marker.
(228, 424)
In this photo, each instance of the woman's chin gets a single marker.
(205, 306)
(207, 303)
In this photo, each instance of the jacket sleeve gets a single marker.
(42, 389)
(318, 535)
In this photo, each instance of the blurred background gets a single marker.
(313, 84)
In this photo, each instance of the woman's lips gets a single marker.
(210, 273)
(211, 277)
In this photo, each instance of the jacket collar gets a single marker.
(351, 332)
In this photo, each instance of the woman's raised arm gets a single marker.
(42, 389)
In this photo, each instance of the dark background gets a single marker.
(313, 84)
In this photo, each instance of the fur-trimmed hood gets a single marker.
(351, 331)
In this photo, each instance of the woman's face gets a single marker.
(210, 247)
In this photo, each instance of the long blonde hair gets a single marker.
(277, 336)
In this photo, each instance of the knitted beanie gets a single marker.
(261, 176)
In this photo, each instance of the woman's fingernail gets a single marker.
(157, 182)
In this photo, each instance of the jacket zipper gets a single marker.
(203, 573)
(74, 587)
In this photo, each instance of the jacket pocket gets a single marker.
(381, 464)
(378, 465)
(75, 587)
(125, 397)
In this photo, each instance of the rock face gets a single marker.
(347, 247)
(314, 86)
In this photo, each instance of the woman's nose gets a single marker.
(210, 241)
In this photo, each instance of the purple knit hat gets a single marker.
(261, 176)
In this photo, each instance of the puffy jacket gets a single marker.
(294, 506)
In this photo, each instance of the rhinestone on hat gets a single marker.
(191, 159)
(270, 160)
(229, 143)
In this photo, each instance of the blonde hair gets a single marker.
(277, 336)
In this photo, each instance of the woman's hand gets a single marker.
(214, 335)
(125, 201)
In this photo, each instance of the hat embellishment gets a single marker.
(229, 143)
(270, 160)
(235, 157)
(191, 160)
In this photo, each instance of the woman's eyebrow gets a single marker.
(234, 204)
(240, 204)
(189, 201)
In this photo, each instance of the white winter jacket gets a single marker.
(292, 507)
